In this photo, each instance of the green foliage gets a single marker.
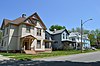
(92, 39)
(86, 31)
(78, 29)
(72, 30)
(57, 27)
(94, 35)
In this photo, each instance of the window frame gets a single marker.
(38, 44)
(63, 36)
(28, 29)
(2, 43)
(47, 45)
(7, 30)
(38, 31)
(66, 35)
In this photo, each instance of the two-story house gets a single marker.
(76, 36)
(59, 39)
(24, 33)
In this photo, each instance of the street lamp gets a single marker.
(82, 23)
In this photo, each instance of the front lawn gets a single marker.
(41, 55)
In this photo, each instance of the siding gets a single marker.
(57, 44)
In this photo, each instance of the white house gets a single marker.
(24, 33)
(76, 36)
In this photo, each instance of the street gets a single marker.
(84, 59)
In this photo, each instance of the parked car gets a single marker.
(93, 48)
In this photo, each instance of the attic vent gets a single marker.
(23, 15)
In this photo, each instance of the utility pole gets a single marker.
(81, 36)
(82, 23)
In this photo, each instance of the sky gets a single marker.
(68, 13)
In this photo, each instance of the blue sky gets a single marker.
(62, 12)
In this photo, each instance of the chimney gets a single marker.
(23, 15)
(55, 30)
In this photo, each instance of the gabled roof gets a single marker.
(19, 20)
(37, 18)
(22, 20)
(74, 34)
(57, 31)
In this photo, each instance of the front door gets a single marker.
(26, 46)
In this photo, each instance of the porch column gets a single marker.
(21, 45)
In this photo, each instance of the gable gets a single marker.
(66, 32)
(39, 25)
(35, 19)
(28, 21)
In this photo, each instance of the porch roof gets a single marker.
(46, 40)
(69, 41)
(28, 37)
(82, 42)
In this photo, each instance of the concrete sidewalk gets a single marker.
(4, 58)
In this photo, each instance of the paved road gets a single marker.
(84, 57)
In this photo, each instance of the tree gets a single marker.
(92, 39)
(86, 31)
(78, 29)
(72, 30)
(57, 27)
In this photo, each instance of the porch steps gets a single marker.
(29, 51)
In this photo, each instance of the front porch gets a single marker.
(48, 46)
(26, 43)
(67, 44)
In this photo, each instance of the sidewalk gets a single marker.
(4, 58)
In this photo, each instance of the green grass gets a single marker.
(41, 55)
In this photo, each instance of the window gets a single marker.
(38, 43)
(78, 38)
(2, 43)
(7, 30)
(38, 32)
(3, 32)
(47, 45)
(73, 39)
(66, 36)
(63, 36)
(28, 29)
(5, 44)
(56, 42)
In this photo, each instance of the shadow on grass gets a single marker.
(45, 63)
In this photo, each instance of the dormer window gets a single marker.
(28, 29)
(38, 32)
